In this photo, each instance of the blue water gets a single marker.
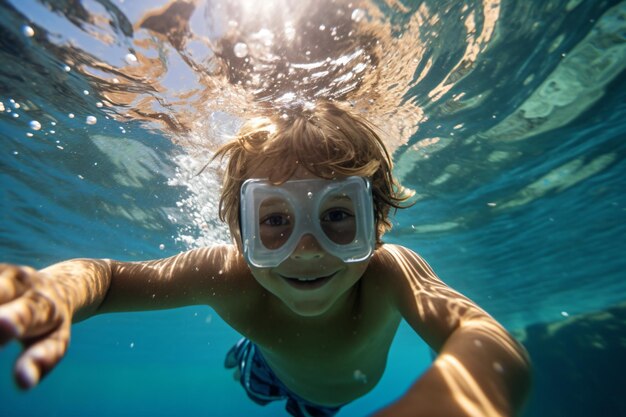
(507, 118)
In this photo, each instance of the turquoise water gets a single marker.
(506, 117)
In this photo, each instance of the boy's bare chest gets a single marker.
(330, 362)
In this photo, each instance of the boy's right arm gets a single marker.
(38, 307)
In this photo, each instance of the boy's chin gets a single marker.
(309, 310)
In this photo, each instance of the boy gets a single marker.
(308, 283)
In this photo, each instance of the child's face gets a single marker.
(310, 281)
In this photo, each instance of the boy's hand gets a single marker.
(34, 311)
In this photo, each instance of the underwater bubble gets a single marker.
(30, 135)
(290, 32)
(71, 115)
(265, 36)
(67, 68)
(85, 92)
(161, 246)
(130, 59)
(99, 104)
(35, 125)
(309, 194)
(240, 49)
(358, 375)
(28, 31)
(358, 15)
(91, 120)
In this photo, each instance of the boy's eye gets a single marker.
(275, 220)
(336, 215)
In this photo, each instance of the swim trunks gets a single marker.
(262, 385)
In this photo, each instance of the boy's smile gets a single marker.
(307, 293)
(308, 283)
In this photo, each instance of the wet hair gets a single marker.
(326, 140)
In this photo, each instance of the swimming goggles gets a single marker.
(339, 214)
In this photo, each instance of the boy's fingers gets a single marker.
(14, 281)
(29, 316)
(41, 356)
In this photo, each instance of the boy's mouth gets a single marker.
(308, 283)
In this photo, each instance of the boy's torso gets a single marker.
(330, 360)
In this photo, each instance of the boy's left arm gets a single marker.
(480, 370)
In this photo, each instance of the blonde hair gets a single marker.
(327, 141)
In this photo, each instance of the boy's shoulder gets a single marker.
(225, 254)
(397, 266)
(394, 257)
(219, 265)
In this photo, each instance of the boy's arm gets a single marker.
(38, 307)
(480, 369)
(207, 276)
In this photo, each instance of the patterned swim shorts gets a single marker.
(263, 387)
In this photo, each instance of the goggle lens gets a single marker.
(276, 222)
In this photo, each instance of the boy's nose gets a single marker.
(308, 248)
